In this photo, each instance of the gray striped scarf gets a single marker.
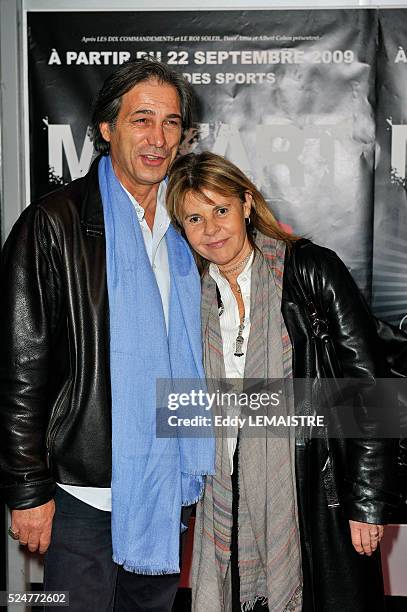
(269, 545)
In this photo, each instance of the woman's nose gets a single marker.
(211, 227)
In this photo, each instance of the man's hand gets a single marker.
(365, 536)
(34, 525)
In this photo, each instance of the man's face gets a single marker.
(144, 140)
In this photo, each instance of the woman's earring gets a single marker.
(247, 220)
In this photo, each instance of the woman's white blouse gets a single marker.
(229, 326)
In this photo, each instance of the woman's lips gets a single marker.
(216, 245)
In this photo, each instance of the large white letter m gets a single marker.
(60, 141)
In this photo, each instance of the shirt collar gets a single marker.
(161, 209)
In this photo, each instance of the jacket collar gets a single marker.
(92, 218)
(92, 209)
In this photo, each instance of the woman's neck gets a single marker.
(232, 271)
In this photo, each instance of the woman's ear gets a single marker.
(247, 204)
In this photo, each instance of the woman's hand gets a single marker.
(365, 536)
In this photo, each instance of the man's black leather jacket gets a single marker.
(55, 415)
(55, 408)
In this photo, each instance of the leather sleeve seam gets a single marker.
(29, 484)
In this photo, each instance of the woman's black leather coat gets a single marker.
(354, 480)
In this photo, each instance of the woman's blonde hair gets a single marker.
(206, 170)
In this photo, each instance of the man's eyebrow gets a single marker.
(142, 111)
(149, 111)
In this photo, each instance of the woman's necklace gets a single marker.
(239, 339)
(241, 264)
(235, 287)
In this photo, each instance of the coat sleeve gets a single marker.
(369, 461)
(29, 311)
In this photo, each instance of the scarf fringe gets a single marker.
(198, 482)
(195, 500)
(197, 474)
(145, 569)
(296, 601)
(292, 606)
(250, 605)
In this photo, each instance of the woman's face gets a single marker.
(217, 230)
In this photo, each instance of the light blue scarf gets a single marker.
(151, 477)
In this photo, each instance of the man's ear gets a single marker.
(105, 130)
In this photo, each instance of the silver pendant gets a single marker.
(239, 343)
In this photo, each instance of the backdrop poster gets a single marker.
(286, 95)
(390, 245)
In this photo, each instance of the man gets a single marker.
(100, 298)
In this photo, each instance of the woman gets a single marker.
(291, 526)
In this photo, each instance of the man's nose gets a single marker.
(156, 136)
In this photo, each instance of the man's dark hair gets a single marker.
(108, 101)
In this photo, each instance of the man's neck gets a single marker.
(147, 199)
(145, 195)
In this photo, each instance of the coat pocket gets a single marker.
(56, 418)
